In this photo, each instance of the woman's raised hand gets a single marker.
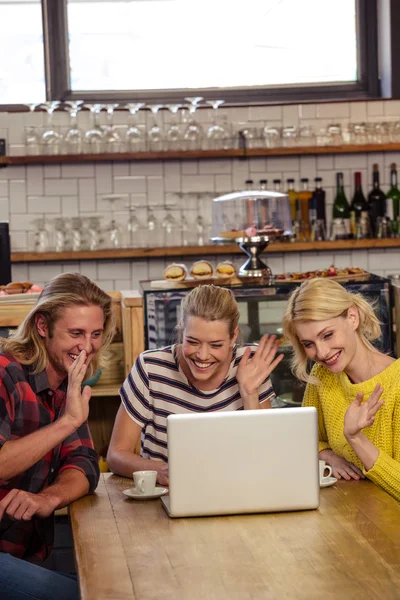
(252, 372)
(359, 414)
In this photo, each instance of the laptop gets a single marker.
(247, 461)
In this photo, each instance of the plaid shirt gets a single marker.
(26, 404)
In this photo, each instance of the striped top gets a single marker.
(157, 387)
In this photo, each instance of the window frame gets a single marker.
(57, 70)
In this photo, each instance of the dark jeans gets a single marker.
(20, 580)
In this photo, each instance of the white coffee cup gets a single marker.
(145, 481)
(322, 468)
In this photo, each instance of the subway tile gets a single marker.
(26, 222)
(292, 262)
(155, 191)
(107, 285)
(316, 260)
(89, 268)
(4, 189)
(308, 166)
(359, 258)
(375, 108)
(281, 164)
(70, 267)
(77, 171)
(52, 171)
(13, 172)
(129, 184)
(4, 209)
(16, 133)
(392, 108)
(257, 164)
(333, 110)
(104, 180)
(87, 195)
(190, 167)
(218, 167)
(197, 183)
(290, 115)
(18, 196)
(19, 271)
(111, 202)
(115, 269)
(307, 111)
(61, 187)
(120, 169)
(223, 183)
(350, 161)
(139, 272)
(122, 284)
(42, 272)
(44, 204)
(34, 180)
(16, 150)
(390, 261)
(240, 172)
(69, 206)
(325, 162)
(342, 259)
(358, 111)
(144, 168)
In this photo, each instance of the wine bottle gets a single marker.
(341, 212)
(304, 196)
(376, 201)
(358, 210)
(393, 194)
(277, 185)
(291, 192)
(319, 193)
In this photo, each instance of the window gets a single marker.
(21, 48)
(186, 44)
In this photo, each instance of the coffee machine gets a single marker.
(5, 254)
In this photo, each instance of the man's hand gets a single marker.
(162, 475)
(360, 415)
(22, 506)
(252, 372)
(77, 402)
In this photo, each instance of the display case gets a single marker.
(261, 309)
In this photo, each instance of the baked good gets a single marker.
(175, 272)
(14, 288)
(225, 269)
(201, 269)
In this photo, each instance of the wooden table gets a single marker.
(348, 548)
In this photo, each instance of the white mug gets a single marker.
(145, 481)
(322, 468)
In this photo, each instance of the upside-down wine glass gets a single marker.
(32, 136)
(51, 138)
(133, 135)
(194, 133)
(216, 134)
(154, 133)
(94, 137)
(74, 137)
(112, 139)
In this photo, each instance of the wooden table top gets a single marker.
(348, 548)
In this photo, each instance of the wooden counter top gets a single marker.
(348, 548)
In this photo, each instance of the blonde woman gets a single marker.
(205, 371)
(354, 386)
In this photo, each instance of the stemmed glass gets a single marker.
(32, 136)
(170, 227)
(59, 235)
(112, 138)
(173, 133)
(216, 134)
(51, 139)
(41, 235)
(200, 226)
(193, 134)
(94, 137)
(74, 137)
(155, 134)
(133, 135)
(113, 231)
(153, 229)
(133, 227)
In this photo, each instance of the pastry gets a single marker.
(175, 272)
(201, 269)
(225, 269)
(14, 288)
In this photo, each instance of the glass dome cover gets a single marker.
(249, 214)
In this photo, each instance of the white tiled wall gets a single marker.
(72, 190)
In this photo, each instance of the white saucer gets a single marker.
(133, 493)
(327, 481)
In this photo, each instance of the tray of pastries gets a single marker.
(201, 271)
(332, 272)
(17, 292)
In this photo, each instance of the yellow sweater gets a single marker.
(332, 399)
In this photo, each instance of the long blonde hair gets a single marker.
(61, 292)
(211, 303)
(319, 300)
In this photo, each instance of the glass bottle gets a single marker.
(249, 184)
(376, 201)
(358, 209)
(263, 184)
(393, 194)
(277, 185)
(291, 192)
(341, 211)
(304, 196)
(319, 193)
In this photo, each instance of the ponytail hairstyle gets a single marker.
(321, 299)
(211, 303)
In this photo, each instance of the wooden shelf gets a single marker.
(212, 249)
(194, 154)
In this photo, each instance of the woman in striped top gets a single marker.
(206, 371)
